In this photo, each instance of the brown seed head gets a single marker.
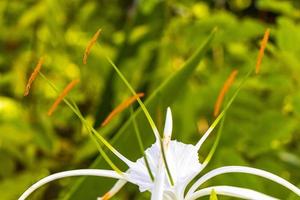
(62, 96)
(33, 76)
(90, 45)
(223, 91)
(262, 50)
(121, 107)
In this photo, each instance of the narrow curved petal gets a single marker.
(231, 191)
(214, 124)
(159, 181)
(168, 125)
(168, 195)
(158, 187)
(247, 170)
(116, 188)
(79, 172)
(204, 137)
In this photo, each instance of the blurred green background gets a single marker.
(149, 40)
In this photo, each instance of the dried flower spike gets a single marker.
(62, 95)
(89, 46)
(224, 90)
(33, 76)
(121, 107)
(262, 50)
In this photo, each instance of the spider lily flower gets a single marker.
(184, 166)
(174, 165)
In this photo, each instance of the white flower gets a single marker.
(184, 166)
(182, 160)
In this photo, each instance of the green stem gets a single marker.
(216, 142)
(165, 162)
(148, 116)
(87, 126)
(138, 135)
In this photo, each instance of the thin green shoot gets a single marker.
(145, 110)
(227, 106)
(148, 116)
(140, 142)
(100, 149)
(165, 162)
(215, 145)
(88, 127)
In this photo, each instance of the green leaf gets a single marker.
(287, 35)
(10, 190)
(277, 6)
(163, 96)
(148, 5)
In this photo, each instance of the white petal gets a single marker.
(158, 187)
(210, 129)
(247, 170)
(204, 137)
(168, 125)
(232, 192)
(138, 173)
(182, 160)
(79, 172)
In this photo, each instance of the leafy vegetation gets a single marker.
(149, 41)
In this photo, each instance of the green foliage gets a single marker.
(149, 41)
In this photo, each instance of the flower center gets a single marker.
(182, 160)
